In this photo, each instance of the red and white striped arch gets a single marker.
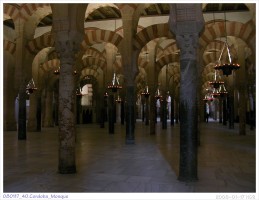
(99, 36)
(40, 43)
(170, 58)
(89, 62)
(89, 72)
(50, 65)
(9, 46)
(246, 32)
(24, 12)
(150, 33)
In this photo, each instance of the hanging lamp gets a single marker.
(216, 82)
(30, 88)
(222, 91)
(145, 92)
(114, 85)
(158, 94)
(226, 68)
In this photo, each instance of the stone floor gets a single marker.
(226, 161)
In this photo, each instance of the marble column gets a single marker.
(241, 82)
(32, 118)
(10, 93)
(67, 45)
(48, 117)
(22, 117)
(224, 111)
(111, 113)
(186, 21)
(38, 113)
(220, 109)
(147, 111)
(163, 114)
(172, 111)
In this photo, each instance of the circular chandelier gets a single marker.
(216, 82)
(226, 68)
(145, 93)
(158, 94)
(30, 88)
(115, 85)
(222, 91)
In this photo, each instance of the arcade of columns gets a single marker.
(68, 45)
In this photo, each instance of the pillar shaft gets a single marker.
(32, 118)
(66, 45)
(22, 112)
(48, 117)
(186, 21)
(188, 121)
(130, 115)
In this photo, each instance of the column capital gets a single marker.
(188, 44)
(186, 22)
(67, 43)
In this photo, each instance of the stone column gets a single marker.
(220, 109)
(163, 115)
(118, 110)
(230, 103)
(38, 113)
(67, 44)
(147, 111)
(22, 111)
(224, 112)
(186, 21)
(122, 113)
(172, 110)
(9, 94)
(32, 119)
(129, 62)
(241, 83)
(21, 78)
(48, 117)
(176, 111)
(111, 113)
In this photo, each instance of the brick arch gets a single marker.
(50, 65)
(91, 61)
(10, 11)
(170, 58)
(100, 35)
(24, 12)
(94, 53)
(9, 46)
(92, 7)
(246, 32)
(150, 33)
(90, 72)
(41, 42)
